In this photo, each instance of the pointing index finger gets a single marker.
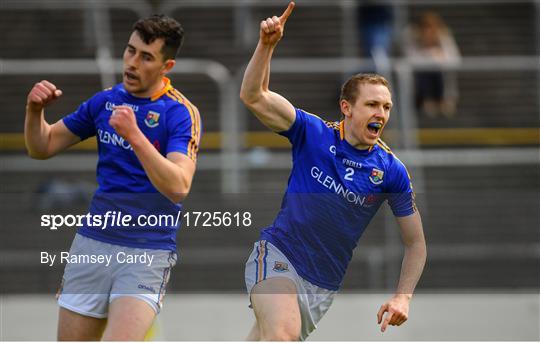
(387, 320)
(287, 13)
(382, 310)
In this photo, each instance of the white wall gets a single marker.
(352, 317)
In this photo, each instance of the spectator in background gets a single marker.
(430, 41)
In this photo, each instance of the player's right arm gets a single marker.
(42, 139)
(273, 110)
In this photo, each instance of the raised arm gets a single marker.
(412, 235)
(273, 110)
(42, 139)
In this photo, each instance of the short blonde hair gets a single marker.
(349, 90)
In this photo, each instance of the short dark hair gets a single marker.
(349, 90)
(160, 26)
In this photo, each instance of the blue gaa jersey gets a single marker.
(333, 192)
(172, 124)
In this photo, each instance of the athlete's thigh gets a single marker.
(275, 303)
(130, 318)
(147, 282)
(76, 327)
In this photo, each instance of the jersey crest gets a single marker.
(152, 119)
(376, 176)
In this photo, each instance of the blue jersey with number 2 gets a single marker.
(333, 192)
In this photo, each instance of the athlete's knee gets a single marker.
(119, 336)
(75, 327)
(282, 331)
(118, 332)
(130, 319)
(280, 334)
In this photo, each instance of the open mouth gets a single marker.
(130, 76)
(374, 128)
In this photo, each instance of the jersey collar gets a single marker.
(163, 90)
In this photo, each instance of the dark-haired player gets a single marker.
(148, 136)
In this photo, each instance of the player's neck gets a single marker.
(351, 139)
(156, 88)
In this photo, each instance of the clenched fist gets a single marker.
(124, 122)
(272, 28)
(41, 95)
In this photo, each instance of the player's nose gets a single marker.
(379, 113)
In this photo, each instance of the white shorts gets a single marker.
(89, 284)
(266, 261)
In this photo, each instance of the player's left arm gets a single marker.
(412, 235)
(171, 175)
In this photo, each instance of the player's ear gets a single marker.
(345, 107)
(168, 65)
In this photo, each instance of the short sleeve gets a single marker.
(400, 190)
(184, 130)
(296, 132)
(303, 122)
(81, 122)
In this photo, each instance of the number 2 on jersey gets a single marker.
(350, 173)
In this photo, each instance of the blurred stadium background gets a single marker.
(477, 174)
